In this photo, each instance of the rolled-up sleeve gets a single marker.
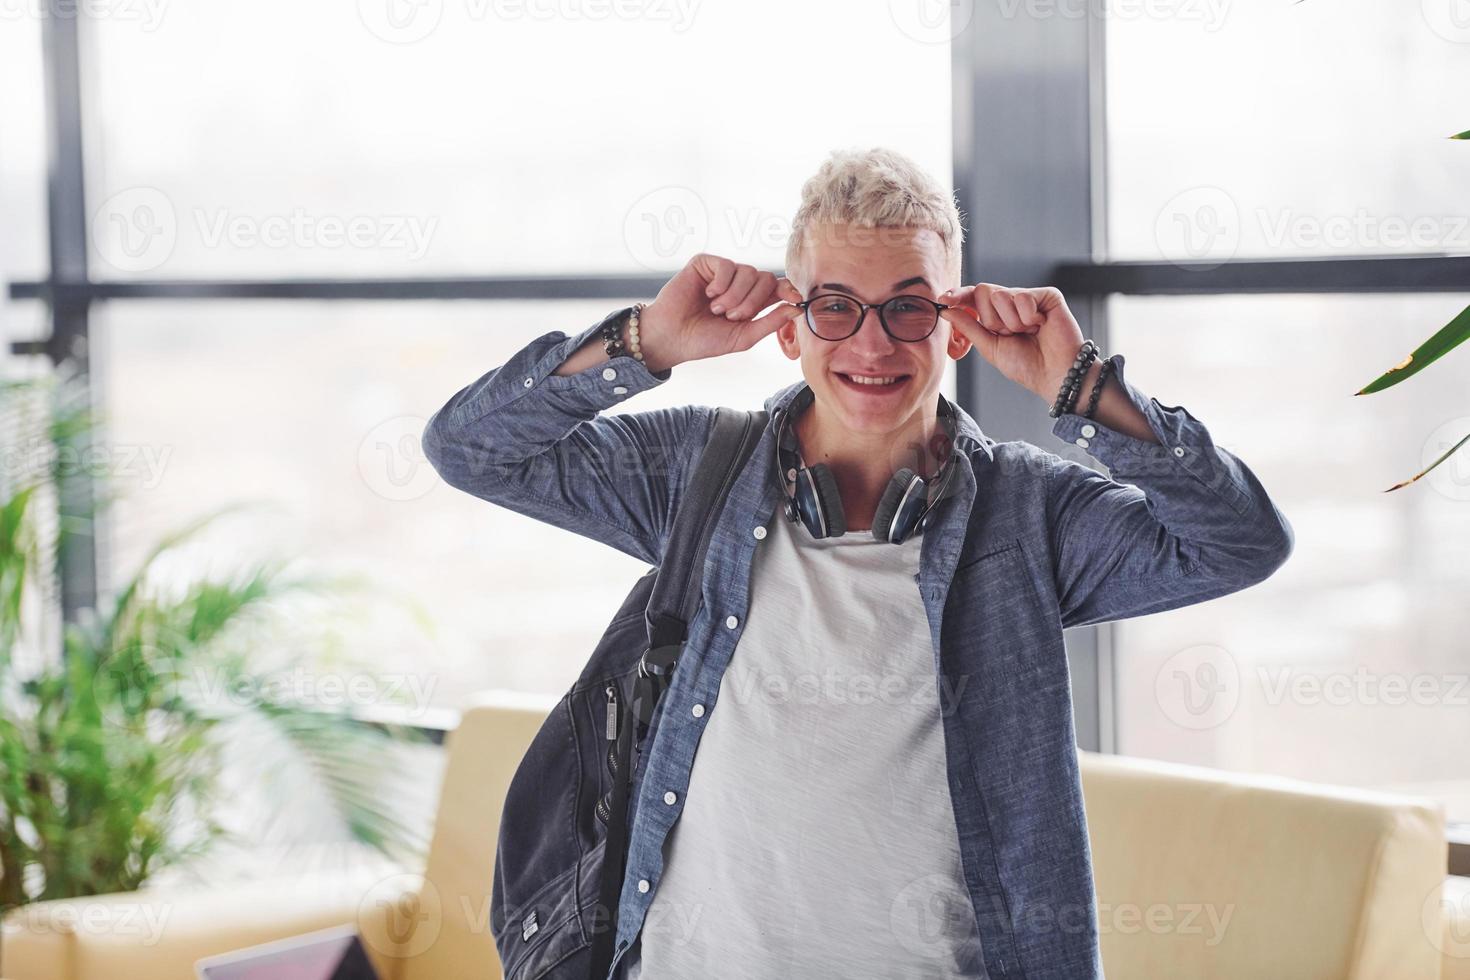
(1173, 523)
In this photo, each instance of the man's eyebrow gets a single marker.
(841, 288)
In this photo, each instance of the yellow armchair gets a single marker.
(430, 926)
(1205, 873)
(1199, 873)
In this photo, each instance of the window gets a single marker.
(318, 409)
(1285, 130)
(22, 152)
(479, 138)
(1349, 664)
(468, 140)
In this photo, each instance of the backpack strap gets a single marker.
(677, 590)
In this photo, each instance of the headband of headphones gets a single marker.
(788, 455)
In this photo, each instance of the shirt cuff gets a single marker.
(1184, 444)
(529, 372)
(628, 375)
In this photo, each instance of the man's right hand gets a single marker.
(682, 324)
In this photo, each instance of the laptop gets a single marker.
(330, 954)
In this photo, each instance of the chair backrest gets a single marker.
(1199, 872)
(483, 753)
(1202, 872)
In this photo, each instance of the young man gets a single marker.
(921, 813)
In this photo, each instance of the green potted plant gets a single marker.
(1446, 339)
(112, 739)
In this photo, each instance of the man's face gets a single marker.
(872, 266)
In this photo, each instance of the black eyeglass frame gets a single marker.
(863, 308)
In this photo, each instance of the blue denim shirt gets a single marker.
(1026, 544)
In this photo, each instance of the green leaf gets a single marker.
(1448, 453)
(325, 756)
(1449, 336)
(1461, 136)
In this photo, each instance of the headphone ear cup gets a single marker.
(828, 501)
(888, 505)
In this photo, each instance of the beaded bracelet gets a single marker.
(1076, 391)
(633, 343)
(1097, 387)
(1072, 383)
(612, 333)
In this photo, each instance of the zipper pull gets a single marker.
(612, 713)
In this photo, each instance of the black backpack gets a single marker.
(553, 905)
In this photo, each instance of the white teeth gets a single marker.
(872, 381)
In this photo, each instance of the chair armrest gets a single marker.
(1454, 906)
(160, 934)
(1261, 875)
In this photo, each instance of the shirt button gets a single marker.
(608, 374)
(759, 533)
(1089, 430)
(528, 382)
(669, 797)
(619, 390)
(643, 884)
(731, 622)
(1178, 450)
(1082, 442)
(697, 711)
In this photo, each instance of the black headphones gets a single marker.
(904, 506)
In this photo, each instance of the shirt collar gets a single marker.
(969, 437)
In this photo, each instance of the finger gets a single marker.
(1027, 309)
(1005, 308)
(756, 299)
(786, 290)
(959, 296)
(984, 307)
(750, 333)
(736, 292)
(721, 271)
(983, 339)
(1048, 298)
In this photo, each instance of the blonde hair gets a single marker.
(877, 188)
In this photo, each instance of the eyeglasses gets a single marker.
(832, 316)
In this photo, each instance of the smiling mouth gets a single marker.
(883, 383)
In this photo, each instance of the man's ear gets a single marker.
(786, 337)
(959, 345)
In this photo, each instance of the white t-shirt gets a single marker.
(817, 838)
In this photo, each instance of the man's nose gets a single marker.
(870, 334)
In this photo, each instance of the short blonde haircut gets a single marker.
(876, 188)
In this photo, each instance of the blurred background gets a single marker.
(266, 240)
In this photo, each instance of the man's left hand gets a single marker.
(1028, 334)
